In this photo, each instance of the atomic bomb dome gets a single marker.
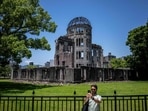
(75, 49)
(79, 21)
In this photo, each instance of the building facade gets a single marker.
(75, 49)
(107, 59)
(76, 59)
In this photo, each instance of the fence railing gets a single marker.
(72, 103)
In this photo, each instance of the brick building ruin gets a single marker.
(76, 59)
(75, 49)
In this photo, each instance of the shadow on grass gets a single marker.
(7, 87)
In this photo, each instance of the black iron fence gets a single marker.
(72, 103)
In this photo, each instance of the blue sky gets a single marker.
(111, 20)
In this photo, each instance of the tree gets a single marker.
(138, 42)
(118, 63)
(5, 71)
(21, 21)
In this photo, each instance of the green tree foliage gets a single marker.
(118, 63)
(31, 66)
(138, 42)
(4, 72)
(21, 21)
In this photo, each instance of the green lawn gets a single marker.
(8, 87)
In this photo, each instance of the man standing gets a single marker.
(94, 99)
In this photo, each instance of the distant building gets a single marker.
(51, 63)
(75, 49)
(47, 64)
(31, 63)
(107, 59)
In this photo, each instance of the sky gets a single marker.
(111, 20)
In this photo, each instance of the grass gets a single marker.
(9, 87)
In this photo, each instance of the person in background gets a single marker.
(94, 99)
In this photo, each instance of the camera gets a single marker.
(89, 91)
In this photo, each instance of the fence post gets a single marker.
(33, 92)
(0, 99)
(74, 100)
(145, 102)
(115, 98)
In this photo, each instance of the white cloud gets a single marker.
(28, 61)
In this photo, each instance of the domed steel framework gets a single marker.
(75, 49)
(79, 20)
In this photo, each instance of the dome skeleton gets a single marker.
(79, 20)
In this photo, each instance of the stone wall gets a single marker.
(73, 75)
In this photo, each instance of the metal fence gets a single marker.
(72, 103)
